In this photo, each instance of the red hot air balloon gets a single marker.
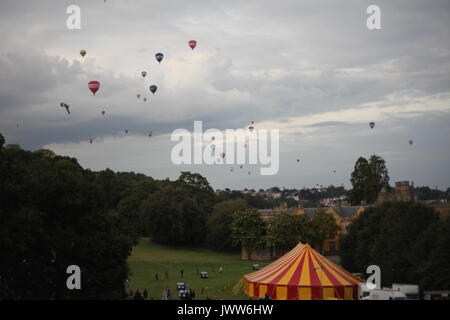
(144, 73)
(192, 44)
(94, 86)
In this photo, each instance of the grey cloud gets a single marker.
(255, 61)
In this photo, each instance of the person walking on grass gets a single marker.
(181, 272)
(156, 276)
(138, 295)
(145, 293)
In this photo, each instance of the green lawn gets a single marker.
(148, 258)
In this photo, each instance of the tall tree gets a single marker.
(368, 178)
(219, 224)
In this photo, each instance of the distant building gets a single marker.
(402, 192)
(405, 192)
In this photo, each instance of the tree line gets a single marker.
(55, 213)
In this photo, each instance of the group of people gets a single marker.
(166, 274)
(138, 295)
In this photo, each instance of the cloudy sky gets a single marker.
(311, 69)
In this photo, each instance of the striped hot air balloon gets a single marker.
(302, 274)
(94, 86)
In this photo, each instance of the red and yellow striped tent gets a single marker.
(302, 274)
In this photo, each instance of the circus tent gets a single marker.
(302, 274)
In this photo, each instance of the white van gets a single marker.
(410, 290)
(386, 294)
(363, 292)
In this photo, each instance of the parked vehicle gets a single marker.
(437, 295)
(410, 290)
(181, 286)
(386, 294)
(363, 292)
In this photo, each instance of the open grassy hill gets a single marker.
(148, 259)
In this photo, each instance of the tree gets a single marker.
(284, 231)
(368, 178)
(129, 206)
(53, 215)
(248, 229)
(399, 237)
(433, 257)
(176, 212)
(323, 227)
(218, 224)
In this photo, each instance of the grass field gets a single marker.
(148, 259)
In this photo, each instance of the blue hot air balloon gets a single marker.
(153, 88)
(159, 56)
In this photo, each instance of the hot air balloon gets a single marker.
(94, 86)
(192, 44)
(159, 56)
(153, 88)
(372, 124)
(251, 128)
(144, 73)
(83, 52)
(91, 140)
(410, 142)
(150, 133)
(65, 105)
(103, 112)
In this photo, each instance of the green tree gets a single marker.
(432, 256)
(368, 178)
(130, 210)
(53, 215)
(284, 231)
(323, 227)
(403, 238)
(248, 229)
(218, 224)
(176, 213)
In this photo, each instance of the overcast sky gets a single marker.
(311, 69)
